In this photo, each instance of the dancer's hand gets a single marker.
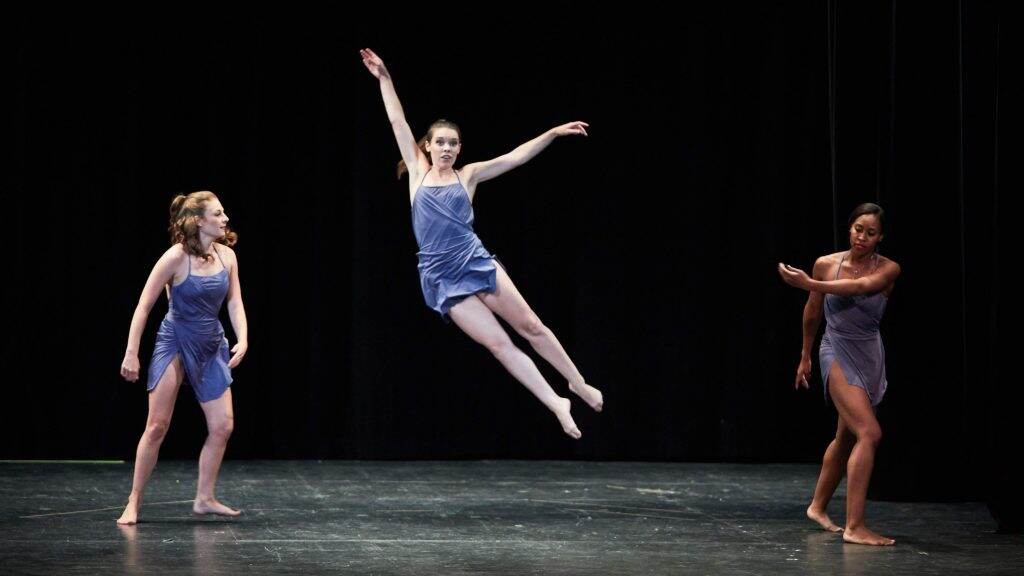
(803, 371)
(130, 367)
(571, 129)
(238, 353)
(374, 64)
(794, 276)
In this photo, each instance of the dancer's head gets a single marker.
(441, 145)
(866, 225)
(197, 217)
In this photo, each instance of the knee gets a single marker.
(223, 427)
(845, 441)
(531, 327)
(871, 434)
(156, 430)
(501, 348)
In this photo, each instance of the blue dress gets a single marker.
(453, 263)
(852, 338)
(192, 329)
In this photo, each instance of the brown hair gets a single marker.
(185, 231)
(441, 123)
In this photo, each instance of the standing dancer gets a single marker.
(856, 285)
(458, 275)
(198, 271)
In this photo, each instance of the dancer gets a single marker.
(197, 271)
(458, 276)
(853, 286)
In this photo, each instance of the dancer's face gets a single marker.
(865, 234)
(214, 221)
(444, 146)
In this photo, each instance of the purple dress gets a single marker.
(192, 329)
(852, 338)
(453, 263)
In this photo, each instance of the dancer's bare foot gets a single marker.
(212, 506)
(862, 535)
(592, 396)
(822, 519)
(565, 418)
(131, 512)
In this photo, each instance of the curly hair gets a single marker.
(184, 228)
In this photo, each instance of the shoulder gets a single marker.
(416, 173)
(888, 264)
(825, 263)
(175, 254)
(226, 252)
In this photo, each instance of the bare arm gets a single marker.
(482, 171)
(811, 322)
(876, 281)
(411, 153)
(162, 274)
(236, 311)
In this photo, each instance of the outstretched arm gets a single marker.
(482, 171)
(411, 153)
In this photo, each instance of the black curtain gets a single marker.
(724, 139)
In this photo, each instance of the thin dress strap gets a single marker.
(216, 251)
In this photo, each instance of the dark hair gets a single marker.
(868, 208)
(183, 228)
(441, 123)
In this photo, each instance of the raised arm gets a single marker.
(411, 153)
(162, 274)
(482, 171)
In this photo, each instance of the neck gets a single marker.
(444, 171)
(206, 241)
(865, 257)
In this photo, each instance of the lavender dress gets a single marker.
(852, 338)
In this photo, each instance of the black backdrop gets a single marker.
(723, 140)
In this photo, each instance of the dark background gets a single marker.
(723, 140)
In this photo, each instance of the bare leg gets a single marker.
(161, 406)
(833, 467)
(855, 409)
(508, 303)
(476, 320)
(220, 421)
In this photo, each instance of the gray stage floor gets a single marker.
(493, 517)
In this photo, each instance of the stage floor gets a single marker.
(490, 517)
